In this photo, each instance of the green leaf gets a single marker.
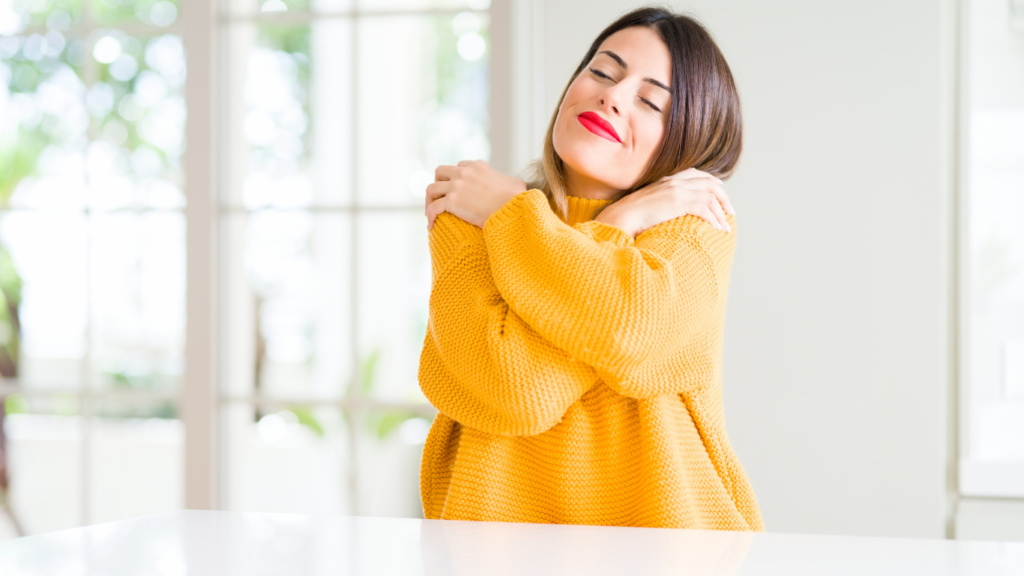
(307, 419)
(15, 404)
(368, 371)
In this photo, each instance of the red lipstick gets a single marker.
(591, 121)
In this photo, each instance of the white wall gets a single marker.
(837, 331)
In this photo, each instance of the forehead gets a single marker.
(643, 51)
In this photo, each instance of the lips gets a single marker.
(591, 121)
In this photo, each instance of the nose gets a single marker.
(611, 99)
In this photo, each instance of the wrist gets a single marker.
(611, 218)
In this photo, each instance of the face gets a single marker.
(615, 112)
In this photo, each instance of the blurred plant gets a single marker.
(307, 419)
(10, 323)
(303, 414)
(46, 112)
(381, 423)
(127, 124)
(15, 404)
(18, 155)
(367, 373)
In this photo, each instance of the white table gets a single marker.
(229, 543)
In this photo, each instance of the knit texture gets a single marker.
(577, 372)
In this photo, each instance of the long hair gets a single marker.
(705, 127)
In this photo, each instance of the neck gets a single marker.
(583, 186)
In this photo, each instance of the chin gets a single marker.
(592, 160)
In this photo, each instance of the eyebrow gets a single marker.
(625, 66)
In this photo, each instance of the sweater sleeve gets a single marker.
(623, 306)
(482, 365)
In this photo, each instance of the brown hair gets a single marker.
(705, 128)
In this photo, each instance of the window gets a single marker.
(336, 116)
(92, 253)
(992, 294)
(329, 118)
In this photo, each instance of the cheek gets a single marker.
(649, 133)
(565, 115)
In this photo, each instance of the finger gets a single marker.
(700, 184)
(712, 185)
(723, 199)
(465, 163)
(691, 173)
(444, 173)
(709, 215)
(716, 208)
(437, 190)
(430, 194)
(434, 210)
(704, 212)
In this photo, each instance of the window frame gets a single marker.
(205, 26)
(975, 479)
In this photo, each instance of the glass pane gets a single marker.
(138, 109)
(291, 143)
(138, 299)
(56, 15)
(995, 234)
(153, 12)
(394, 292)
(388, 467)
(288, 304)
(44, 441)
(43, 121)
(422, 99)
(136, 460)
(288, 459)
(47, 266)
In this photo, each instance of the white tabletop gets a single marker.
(226, 543)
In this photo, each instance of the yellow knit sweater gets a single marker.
(577, 372)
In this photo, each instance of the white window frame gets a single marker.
(975, 478)
(513, 114)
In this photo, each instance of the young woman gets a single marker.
(574, 348)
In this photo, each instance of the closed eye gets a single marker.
(600, 74)
(649, 103)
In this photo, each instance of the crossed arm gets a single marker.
(528, 313)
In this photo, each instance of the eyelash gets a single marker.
(600, 74)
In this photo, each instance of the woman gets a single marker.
(574, 347)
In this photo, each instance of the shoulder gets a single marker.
(694, 233)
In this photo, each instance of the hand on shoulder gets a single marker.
(472, 190)
(690, 192)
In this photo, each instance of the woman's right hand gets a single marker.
(690, 192)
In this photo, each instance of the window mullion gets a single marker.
(199, 407)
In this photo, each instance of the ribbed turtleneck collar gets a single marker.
(584, 209)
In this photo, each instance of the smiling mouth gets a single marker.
(591, 121)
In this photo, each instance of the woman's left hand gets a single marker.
(472, 191)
